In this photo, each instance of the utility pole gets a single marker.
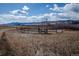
(46, 25)
(56, 22)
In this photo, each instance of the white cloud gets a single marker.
(14, 11)
(72, 7)
(25, 8)
(47, 5)
(20, 18)
(23, 11)
(72, 11)
(56, 8)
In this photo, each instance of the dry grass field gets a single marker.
(33, 44)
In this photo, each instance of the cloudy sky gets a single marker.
(37, 12)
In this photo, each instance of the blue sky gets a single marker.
(36, 12)
(35, 8)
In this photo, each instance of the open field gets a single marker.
(33, 44)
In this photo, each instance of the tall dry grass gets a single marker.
(55, 44)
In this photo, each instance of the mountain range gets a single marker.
(71, 22)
